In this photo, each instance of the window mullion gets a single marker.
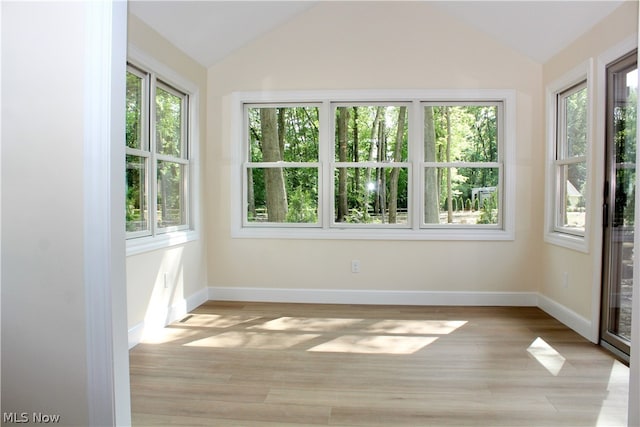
(325, 153)
(153, 163)
(416, 155)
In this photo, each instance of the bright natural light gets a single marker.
(378, 344)
(165, 335)
(215, 320)
(253, 340)
(306, 324)
(422, 327)
(547, 356)
(614, 406)
(632, 78)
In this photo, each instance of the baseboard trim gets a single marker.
(176, 312)
(181, 308)
(373, 297)
(568, 317)
(563, 314)
(135, 335)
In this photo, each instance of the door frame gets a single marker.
(604, 59)
(611, 252)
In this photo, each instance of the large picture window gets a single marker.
(157, 156)
(365, 166)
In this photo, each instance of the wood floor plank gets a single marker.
(268, 364)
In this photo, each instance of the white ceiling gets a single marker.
(210, 30)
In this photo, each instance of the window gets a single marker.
(568, 166)
(283, 170)
(158, 160)
(406, 165)
(571, 160)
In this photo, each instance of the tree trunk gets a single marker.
(431, 196)
(273, 177)
(343, 120)
(251, 194)
(281, 124)
(395, 172)
(382, 177)
(356, 154)
(372, 150)
(447, 113)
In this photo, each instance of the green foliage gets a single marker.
(625, 125)
(133, 130)
(302, 206)
(489, 211)
(169, 140)
(169, 124)
(468, 133)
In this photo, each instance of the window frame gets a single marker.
(248, 164)
(328, 228)
(334, 165)
(157, 237)
(577, 79)
(499, 164)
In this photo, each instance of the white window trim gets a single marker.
(166, 237)
(553, 235)
(415, 231)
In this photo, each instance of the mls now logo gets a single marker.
(25, 417)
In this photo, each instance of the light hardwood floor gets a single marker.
(264, 364)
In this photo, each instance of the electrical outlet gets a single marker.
(355, 266)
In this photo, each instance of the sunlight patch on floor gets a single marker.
(375, 344)
(165, 335)
(313, 324)
(547, 356)
(418, 327)
(614, 406)
(253, 340)
(215, 320)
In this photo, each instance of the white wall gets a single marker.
(52, 338)
(584, 269)
(150, 304)
(380, 45)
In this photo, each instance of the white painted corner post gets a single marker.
(104, 230)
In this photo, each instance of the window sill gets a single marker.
(569, 241)
(141, 245)
(370, 234)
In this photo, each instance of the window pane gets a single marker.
(135, 126)
(288, 195)
(137, 213)
(171, 194)
(461, 196)
(572, 187)
(461, 133)
(169, 137)
(371, 133)
(624, 211)
(576, 123)
(371, 195)
(287, 134)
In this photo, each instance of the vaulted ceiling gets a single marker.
(210, 30)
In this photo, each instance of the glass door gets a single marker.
(619, 192)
